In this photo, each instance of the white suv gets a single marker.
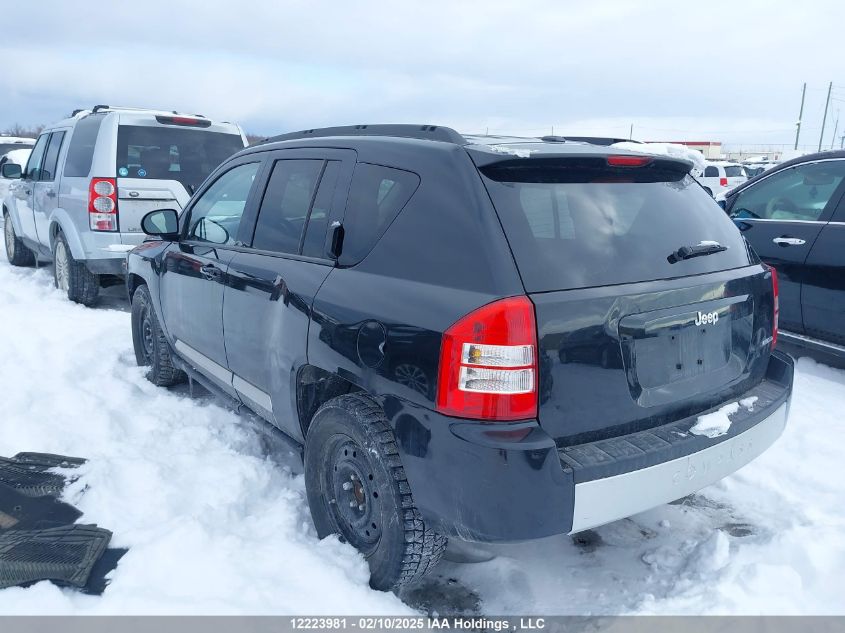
(91, 178)
(721, 177)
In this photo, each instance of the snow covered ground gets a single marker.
(212, 508)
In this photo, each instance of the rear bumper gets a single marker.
(608, 499)
(510, 482)
(109, 266)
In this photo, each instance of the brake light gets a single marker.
(488, 363)
(628, 161)
(102, 204)
(183, 120)
(776, 314)
(723, 182)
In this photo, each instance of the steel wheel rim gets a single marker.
(412, 376)
(354, 502)
(9, 233)
(61, 265)
(147, 335)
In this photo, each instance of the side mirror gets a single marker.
(12, 171)
(722, 203)
(163, 223)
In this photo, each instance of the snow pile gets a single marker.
(212, 524)
(667, 149)
(718, 422)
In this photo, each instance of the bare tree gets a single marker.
(23, 132)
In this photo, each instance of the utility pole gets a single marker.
(835, 129)
(800, 115)
(631, 133)
(824, 117)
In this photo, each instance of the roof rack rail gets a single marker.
(403, 130)
(101, 108)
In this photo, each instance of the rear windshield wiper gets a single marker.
(706, 247)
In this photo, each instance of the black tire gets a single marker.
(151, 347)
(709, 191)
(16, 251)
(357, 488)
(73, 277)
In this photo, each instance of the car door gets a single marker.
(45, 190)
(781, 216)
(194, 269)
(823, 287)
(23, 189)
(271, 284)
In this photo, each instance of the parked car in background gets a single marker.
(794, 218)
(720, 177)
(91, 178)
(16, 156)
(11, 143)
(474, 338)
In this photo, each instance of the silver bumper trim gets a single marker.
(604, 500)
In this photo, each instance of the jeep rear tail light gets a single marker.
(723, 182)
(488, 363)
(102, 204)
(776, 312)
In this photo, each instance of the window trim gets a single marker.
(62, 146)
(222, 170)
(47, 134)
(271, 166)
(348, 159)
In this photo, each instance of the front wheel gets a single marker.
(151, 347)
(16, 251)
(72, 277)
(357, 489)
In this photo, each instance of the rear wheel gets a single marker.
(709, 191)
(357, 489)
(72, 277)
(151, 347)
(16, 251)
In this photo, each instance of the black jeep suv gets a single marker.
(481, 338)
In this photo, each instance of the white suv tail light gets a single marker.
(102, 204)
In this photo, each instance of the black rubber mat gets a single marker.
(22, 512)
(29, 473)
(49, 460)
(65, 555)
(97, 581)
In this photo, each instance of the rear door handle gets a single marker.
(210, 271)
(789, 241)
(51, 193)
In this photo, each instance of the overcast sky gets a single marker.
(706, 70)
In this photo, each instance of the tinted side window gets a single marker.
(80, 152)
(51, 158)
(284, 209)
(732, 171)
(711, 172)
(216, 216)
(797, 193)
(376, 197)
(314, 244)
(33, 165)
